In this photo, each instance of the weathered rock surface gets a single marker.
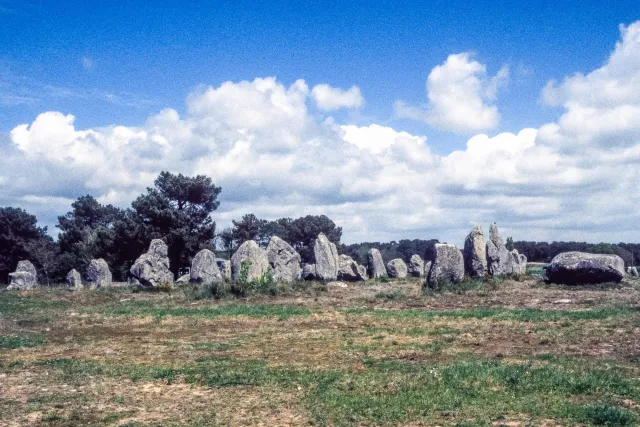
(397, 268)
(518, 262)
(499, 261)
(475, 253)
(74, 279)
(427, 268)
(416, 266)
(349, 270)
(574, 268)
(25, 277)
(204, 268)
(183, 280)
(362, 271)
(254, 255)
(284, 261)
(375, 263)
(447, 266)
(224, 265)
(98, 274)
(632, 271)
(308, 272)
(152, 268)
(326, 257)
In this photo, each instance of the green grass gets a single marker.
(521, 314)
(11, 342)
(389, 392)
(149, 308)
(12, 303)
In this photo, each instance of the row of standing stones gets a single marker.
(449, 266)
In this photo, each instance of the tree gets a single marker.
(509, 244)
(249, 228)
(302, 232)
(226, 238)
(19, 236)
(178, 211)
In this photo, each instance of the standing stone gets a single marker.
(25, 277)
(575, 268)
(499, 261)
(284, 261)
(397, 268)
(475, 255)
(518, 263)
(447, 266)
(256, 257)
(362, 271)
(416, 266)
(74, 279)
(326, 256)
(204, 268)
(349, 270)
(632, 271)
(376, 265)
(308, 271)
(427, 268)
(98, 274)
(152, 268)
(224, 265)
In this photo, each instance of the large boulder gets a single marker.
(475, 254)
(25, 277)
(224, 265)
(416, 266)
(204, 268)
(98, 274)
(375, 263)
(447, 266)
(254, 257)
(308, 272)
(284, 261)
(326, 256)
(74, 279)
(349, 270)
(574, 268)
(397, 268)
(499, 260)
(152, 268)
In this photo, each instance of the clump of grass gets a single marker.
(606, 415)
(483, 284)
(391, 295)
(17, 341)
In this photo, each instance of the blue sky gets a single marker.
(121, 64)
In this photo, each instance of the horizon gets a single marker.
(395, 121)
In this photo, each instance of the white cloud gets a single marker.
(460, 96)
(88, 63)
(330, 98)
(575, 178)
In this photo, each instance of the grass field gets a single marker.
(497, 353)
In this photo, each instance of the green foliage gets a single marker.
(393, 295)
(21, 239)
(17, 341)
(607, 415)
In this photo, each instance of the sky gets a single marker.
(395, 119)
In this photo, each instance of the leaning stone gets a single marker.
(475, 254)
(376, 265)
(204, 268)
(25, 277)
(447, 266)
(253, 255)
(326, 257)
(397, 268)
(284, 261)
(152, 268)
(74, 279)
(574, 268)
(416, 266)
(350, 270)
(98, 274)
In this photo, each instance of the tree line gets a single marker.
(544, 252)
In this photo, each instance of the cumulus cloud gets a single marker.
(460, 96)
(575, 178)
(329, 98)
